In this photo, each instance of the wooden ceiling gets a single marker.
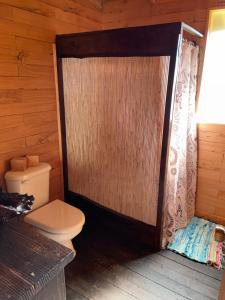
(95, 3)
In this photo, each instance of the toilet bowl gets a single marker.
(56, 220)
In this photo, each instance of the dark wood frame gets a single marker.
(154, 40)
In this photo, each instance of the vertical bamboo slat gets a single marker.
(114, 111)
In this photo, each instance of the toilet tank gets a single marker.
(33, 181)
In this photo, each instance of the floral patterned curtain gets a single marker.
(179, 202)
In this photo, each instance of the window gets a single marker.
(211, 107)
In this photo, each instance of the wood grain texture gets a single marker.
(28, 29)
(118, 13)
(109, 267)
(222, 289)
(211, 173)
(28, 112)
(29, 261)
(54, 290)
(114, 110)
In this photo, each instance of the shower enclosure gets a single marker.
(116, 101)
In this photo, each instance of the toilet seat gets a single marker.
(57, 217)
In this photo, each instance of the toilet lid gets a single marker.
(56, 217)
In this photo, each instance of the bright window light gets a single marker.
(211, 108)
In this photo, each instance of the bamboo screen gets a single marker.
(114, 111)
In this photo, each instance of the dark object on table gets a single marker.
(13, 204)
(17, 202)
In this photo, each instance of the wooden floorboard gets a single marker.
(201, 268)
(111, 268)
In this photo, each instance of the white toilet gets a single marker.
(56, 220)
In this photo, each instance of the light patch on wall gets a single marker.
(211, 107)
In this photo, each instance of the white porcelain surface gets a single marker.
(64, 239)
(57, 217)
(28, 174)
(33, 181)
(56, 220)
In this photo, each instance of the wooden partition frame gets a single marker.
(154, 40)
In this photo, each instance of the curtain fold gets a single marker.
(181, 174)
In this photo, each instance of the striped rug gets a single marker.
(196, 242)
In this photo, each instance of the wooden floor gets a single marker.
(108, 268)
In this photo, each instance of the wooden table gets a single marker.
(31, 266)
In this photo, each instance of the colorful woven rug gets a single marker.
(196, 242)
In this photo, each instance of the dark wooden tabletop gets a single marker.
(28, 260)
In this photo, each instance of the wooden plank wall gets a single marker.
(28, 118)
(28, 110)
(211, 173)
(211, 169)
